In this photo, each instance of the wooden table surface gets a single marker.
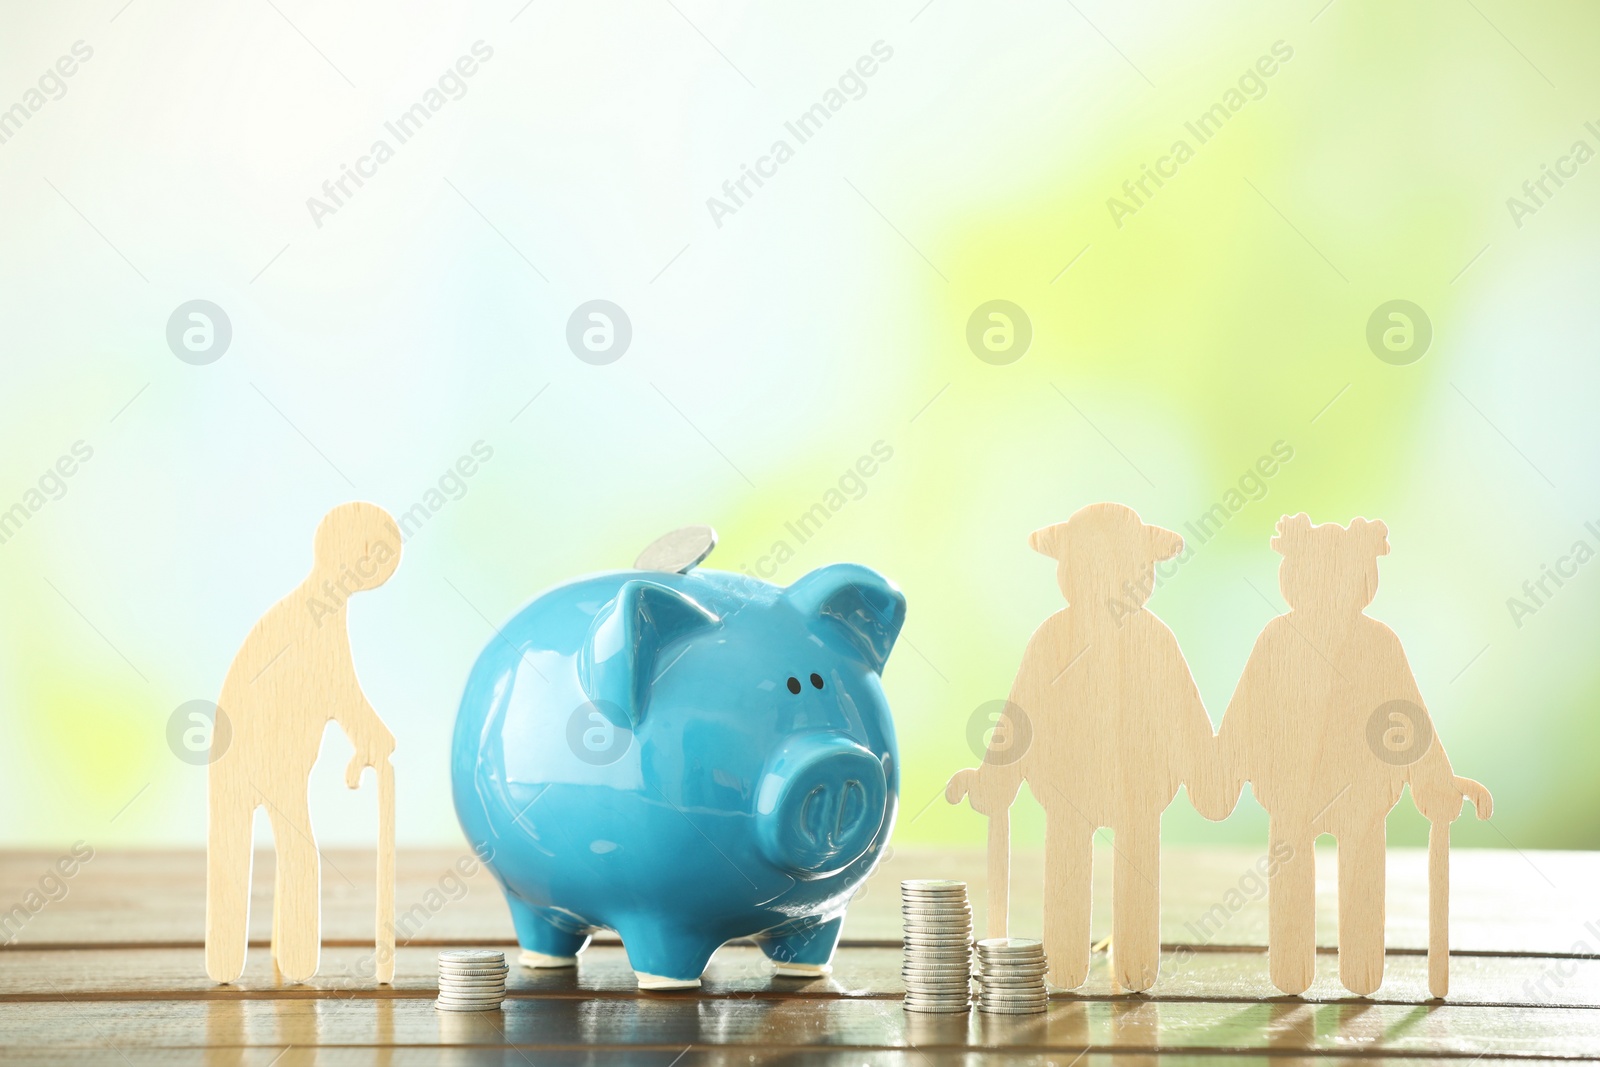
(111, 972)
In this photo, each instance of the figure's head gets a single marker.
(357, 543)
(1330, 567)
(1105, 552)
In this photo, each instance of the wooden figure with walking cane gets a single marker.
(1116, 726)
(1328, 725)
(293, 673)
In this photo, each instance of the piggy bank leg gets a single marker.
(667, 957)
(804, 950)
(547, 937)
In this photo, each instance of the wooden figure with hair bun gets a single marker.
(293, 673)
(1116, 725)
(1328, 725)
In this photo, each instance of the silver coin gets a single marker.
(1035, 972)
(939, 1008)
(476, 972)
(989, 997)
(679, 551)
(464, 994)
(461, 998)
(465, 1009)
(464, 968)
(474, 984)
(935, 967)
(990, 1009)
(472, 955)
(1011, 943)
(922, 915)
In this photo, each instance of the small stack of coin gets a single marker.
(938, 938)
(1011, 976)
(471, 980)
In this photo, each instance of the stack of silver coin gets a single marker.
(1011, 974)
(938, 939)
(471, 980)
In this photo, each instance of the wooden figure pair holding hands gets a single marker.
(1326, 723)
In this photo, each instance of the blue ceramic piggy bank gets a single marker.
(684, 759)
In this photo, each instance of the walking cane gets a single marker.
(999, 899)
(1439, 909)
(999, 872)
(385, 933)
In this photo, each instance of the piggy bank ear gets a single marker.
(618, 662)
(868, 609)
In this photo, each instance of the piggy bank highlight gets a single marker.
(684, 759)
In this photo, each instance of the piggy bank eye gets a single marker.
(816, 681)
(794, 685)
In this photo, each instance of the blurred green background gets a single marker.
(1172, 346)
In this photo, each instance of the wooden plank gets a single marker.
(674, 1022)
(693, 1056)
(1212, 897)
(741, 971)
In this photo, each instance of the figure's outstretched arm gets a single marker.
(360, 722)
(1211, 788)
(992, 786)
(1435, 787)
(1245, 725)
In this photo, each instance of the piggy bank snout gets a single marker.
(821, 802)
